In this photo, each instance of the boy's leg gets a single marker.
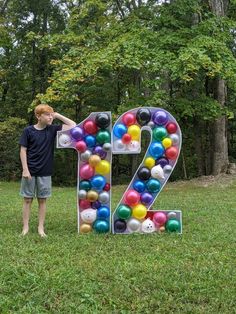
(26, 214)
(42, 213)
(27, 190)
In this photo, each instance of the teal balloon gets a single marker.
(123, 211)
(153, 185)
(85, 185)
(101, 225)
(173, 225)
(103, 136)
(159, 133)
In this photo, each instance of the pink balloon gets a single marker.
(84, 204)
(132, 197)
(81, 146)
(90, 127)
(129, 119)
(86, 171)
(159, 218)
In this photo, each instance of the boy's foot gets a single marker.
(41, 232)
(24, 231)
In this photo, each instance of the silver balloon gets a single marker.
(171, 215)
(104, 197)
(85, 155)
(82, 194)
(175, 138)
(107, 147)
(64, 140)
(167, 169)
(133, 225)
(151, 124)
(119, 145)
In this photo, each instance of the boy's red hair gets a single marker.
(42, 109)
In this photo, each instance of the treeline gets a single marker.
(84, 56)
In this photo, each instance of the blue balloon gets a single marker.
(139, 186)
(156, 149)
(119, 130)
(103, 212)
(90, 140)
(153, 186)
(101, 225)
(98, 182)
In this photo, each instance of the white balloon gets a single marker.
(133, 225)
(133, 146)
(88, 215)
(119, 145)
(148, 226)
(157, 172)
(64, 140)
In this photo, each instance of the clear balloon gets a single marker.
(64, 140)
(119, 145)
(148, 226)
(88, 215)
(133, 146)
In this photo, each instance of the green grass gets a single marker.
(66, 273)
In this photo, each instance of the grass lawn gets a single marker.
(66, 273)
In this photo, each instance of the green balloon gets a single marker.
(123, 212)
(85, 185)
(103, 136)
(159, 133)
(173, 225)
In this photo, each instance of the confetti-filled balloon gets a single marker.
(64, 140)
(88, 215)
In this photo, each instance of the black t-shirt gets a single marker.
(40, 148)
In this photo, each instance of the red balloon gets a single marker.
(90, 127)
(84, 204)
(107, 187)
(132, 197)
(171, 152)
(171, 127)
(129, 118)
(126, 138)
(81, 146)
(86, 171)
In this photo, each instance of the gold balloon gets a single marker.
(94, 160)
(92, 196)
(85, 228)
(103, 167)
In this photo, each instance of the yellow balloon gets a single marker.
(103, 167)
(149, 162)
(139, 211)
(92, 196)
(134, 130)
(85, 228)
(167, 142)
(94, 160)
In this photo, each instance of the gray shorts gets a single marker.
(39, 187)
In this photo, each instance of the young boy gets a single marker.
(36, 154)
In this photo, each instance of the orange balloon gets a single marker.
(94, 160)
(92, 196)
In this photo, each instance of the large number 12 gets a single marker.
(95, 142)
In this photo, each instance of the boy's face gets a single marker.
(45, 118)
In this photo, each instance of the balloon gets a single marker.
(156, 149)
(103, 167)
(151, 124)
(167, 142)
(128, 118)
(107, 187)
(101, 225)
(90, 127)
(77, 133)
(146, 198)
(153, 186)
(148, 226)
(143, 116)
(149, 162)
(171, 215)
(173, 225)
(90, 140)
(103, 136)
(139, 186)
(123, 211)
(171, 152)
(162, 162)
(92, 196)
(88, 215)
(162, 228)
(104, 197)
(94, 160)
(96, 204)
(160, 117)
(119, 130)
(102, 120)
(99, 151)
(133, 146)
(64, 140)
(175, 139)
(167, 169)
(85, 228)
(135, 131)
(159, 218)
(144, 173)
(82, 194)
(159, 133)
(126, 138)
(157, 172)
(119, 145)
(171, 127)
(119, 226)
(81, 146)
(103, 212)
(84, 204)
(106, 147)
(139, 211)
(86, 171)
(133, 225)
(85, 185)
(85, 155)
(98, 182)
(131, 197)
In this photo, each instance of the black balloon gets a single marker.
(120, 225)
(144, 173)
(143, 116)
(102, 120)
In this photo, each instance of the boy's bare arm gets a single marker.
(68, 123)
(23, 158)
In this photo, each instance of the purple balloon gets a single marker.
(160, 117)
(162, 162)
(98, 150)
(96, 204)
(77, 133)
(146, 198)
